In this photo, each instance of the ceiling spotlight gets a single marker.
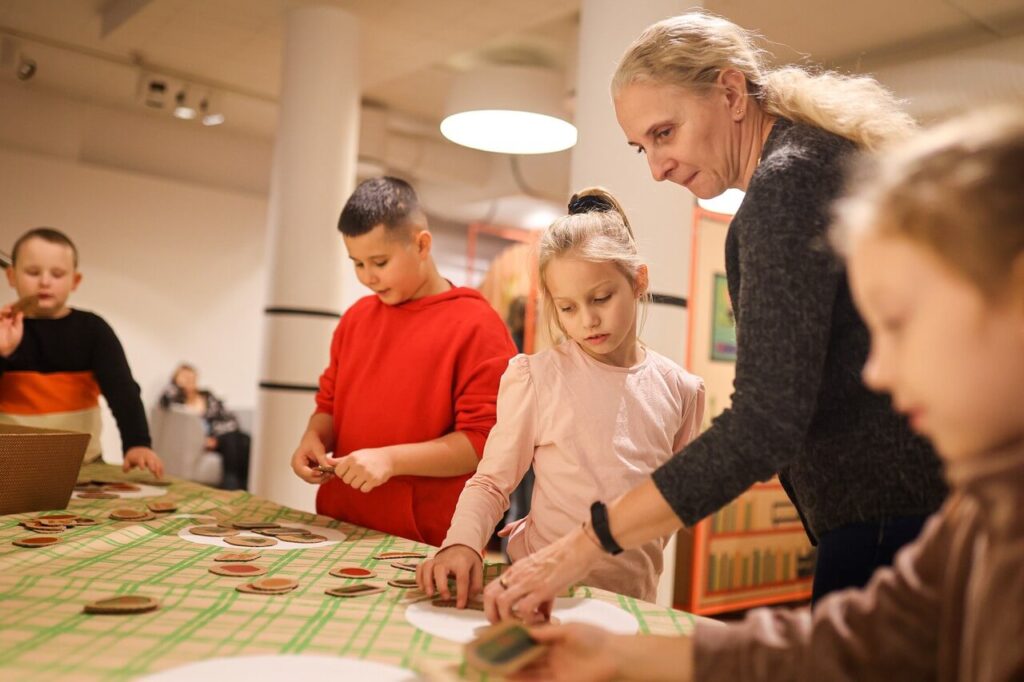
(181, 108)
(509, 110)
(209, 118)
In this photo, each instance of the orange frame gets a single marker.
(513, 234)
(701, 530)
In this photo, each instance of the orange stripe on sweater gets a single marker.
(37, 393)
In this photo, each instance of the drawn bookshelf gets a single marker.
(753, 551)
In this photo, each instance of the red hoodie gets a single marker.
(406, 374)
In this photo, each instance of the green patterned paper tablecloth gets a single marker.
(44, 635)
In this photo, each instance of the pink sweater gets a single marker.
(592, 431)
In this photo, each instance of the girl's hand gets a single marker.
(310, 454)
(527, 590)
(576, 652)
(12, 329)
(143, 458)
(364, 469)
(459, 561)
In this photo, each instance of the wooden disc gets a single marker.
(404, 583)
(302, 539)
(45, 541)
(357, 590)
(213, 531)
(250, 541)
(237, 556)
(122, 605)
(98, 496)
(354, 572)
(238, 570)
(162, 507)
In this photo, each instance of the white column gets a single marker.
(314, 171)
(660, 213)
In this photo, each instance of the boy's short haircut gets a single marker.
(386, 201)
(48, 234)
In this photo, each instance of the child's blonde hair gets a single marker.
(956, 189)
(596, 230)
(690, 50)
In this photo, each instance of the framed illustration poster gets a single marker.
(723, 323)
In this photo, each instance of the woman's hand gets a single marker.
(459, 561)
(310, 454)
(527, 590)
(364, 469)
(143, 458)
(12, 329)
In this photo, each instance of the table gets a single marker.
(44, 635)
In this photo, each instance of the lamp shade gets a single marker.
(509, 110)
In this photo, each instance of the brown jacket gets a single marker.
(951, 607)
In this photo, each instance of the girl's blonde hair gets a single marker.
(596, 230)
(691, 50)
(955, 189)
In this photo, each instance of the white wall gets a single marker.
(177, 269)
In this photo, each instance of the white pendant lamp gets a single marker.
(508, 110)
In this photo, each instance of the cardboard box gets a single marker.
(38, 467)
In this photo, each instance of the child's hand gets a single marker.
(576, 652)
(458, 560)
(12, 328)
(364, 470)
(310, 454)
(143, 458)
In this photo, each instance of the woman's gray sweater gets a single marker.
(799, 407)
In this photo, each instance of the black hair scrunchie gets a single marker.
(589, 204)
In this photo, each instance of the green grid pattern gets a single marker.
(45, 636)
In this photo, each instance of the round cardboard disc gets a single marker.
(274, 584)
(85, 521)
(304, 539)
(355, 572)
(357, 590)
(238, 570)
(254, 525)
(121, 488)
(281, 530)
(237, 556)
(52, 523)
(45, 541)
(404, 583)
(405, 565)
(162, 507)
(122, 605)
(385, 556)
(249, 589)
(34, 525)
(213, 531)
(128, 514)
(250, 541)
(98, 496)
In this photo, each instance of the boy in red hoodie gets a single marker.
(408, 398)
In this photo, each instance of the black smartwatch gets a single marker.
(599, 522)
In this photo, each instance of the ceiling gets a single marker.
(410, 49)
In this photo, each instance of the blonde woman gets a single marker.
(693, 95)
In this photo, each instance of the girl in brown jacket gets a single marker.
(934, 237)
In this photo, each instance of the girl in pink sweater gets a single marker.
(560, 409)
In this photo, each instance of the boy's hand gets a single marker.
(143, 458)
(459, 561)
(310, 454)
(12, 328)
(364, 469)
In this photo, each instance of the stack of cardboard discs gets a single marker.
(56, 523)
(165, 507)
(269, 586)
